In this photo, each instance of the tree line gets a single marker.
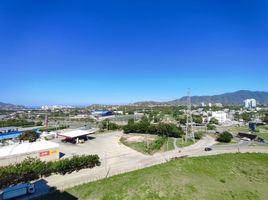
(18, 122)
(144, 126)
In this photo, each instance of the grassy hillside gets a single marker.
(229, 176)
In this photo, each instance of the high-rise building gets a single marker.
(250, 103)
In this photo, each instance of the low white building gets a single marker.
(220, 116)
(43, 150)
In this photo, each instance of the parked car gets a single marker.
(18, 190)
(208, 149)
(245, 139)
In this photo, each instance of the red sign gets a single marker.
(44, 153)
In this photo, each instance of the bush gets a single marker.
(211, 127)
(29, 135)
(16, 122)
(162, 129)
(225, 137)
(108, 125)
(156, 145)
(32, 169)
(198, 135)
(213, 121)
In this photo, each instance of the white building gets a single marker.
(220, 116)
(250, 103)
(43, 150)
(218, 104)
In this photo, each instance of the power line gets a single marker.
(189, 134)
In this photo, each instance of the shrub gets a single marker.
(213, 121)
(32, 169)
(156, 145)
(225, 137)
(162, 129)
(198, 135)
(29, 135)
(211, 127)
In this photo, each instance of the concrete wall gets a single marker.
(44, 155)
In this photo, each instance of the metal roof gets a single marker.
(10, 135)
(25, 148)
(77, 133)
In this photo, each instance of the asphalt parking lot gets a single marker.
(106, 145)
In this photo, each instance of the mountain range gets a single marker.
(7, 106)
(234, 98)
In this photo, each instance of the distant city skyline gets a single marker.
(81, 53)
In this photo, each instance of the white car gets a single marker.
(246, 139)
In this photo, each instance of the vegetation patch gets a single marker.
(182, 143)
(32, 169)
(146, 144)
(225, 137)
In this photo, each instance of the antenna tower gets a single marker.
(46, 121)
(189, 134)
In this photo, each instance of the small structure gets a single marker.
(247, 135)
(75, 135)
(252, 126)
(220, 116)
(44, 150)
(48, 135)
(102, 113)
(9, 133)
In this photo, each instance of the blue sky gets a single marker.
(84, 52)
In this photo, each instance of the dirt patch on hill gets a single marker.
(139, 137)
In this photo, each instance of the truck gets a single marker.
(18, 190)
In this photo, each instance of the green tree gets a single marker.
(198, 135)
(211, 127)
(213, 120)
(225, 137)
(265, 119)
(246, 116)
(197, 119)
(39, 123)
(182, 120)
(29, 135)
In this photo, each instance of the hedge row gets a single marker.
(32, 169)
(53, 128)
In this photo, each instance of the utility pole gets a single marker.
(189, 134)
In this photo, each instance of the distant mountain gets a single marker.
(234, 98)
(147, 103)
(7, 106)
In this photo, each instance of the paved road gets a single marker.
(119, 158)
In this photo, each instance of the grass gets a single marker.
(221, 177)
(181, 143)
(170, 145)
(150, 148)
(138, 146)
(239, 129)
(263, 135)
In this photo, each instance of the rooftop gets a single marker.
(77, 133)
(23, 148)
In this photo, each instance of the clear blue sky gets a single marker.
(84, 52)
